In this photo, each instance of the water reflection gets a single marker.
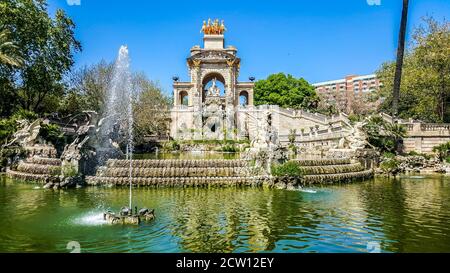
(407, 215)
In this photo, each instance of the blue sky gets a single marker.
(315, 39)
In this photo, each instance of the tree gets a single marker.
(384, 135)
(151, 109)
(87, 88)
(8, 55)
(433, 51)
(426, 74)
(400, 54)
(47, 46)
(286, 91)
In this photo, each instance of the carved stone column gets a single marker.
(230, 101)
(197, 100)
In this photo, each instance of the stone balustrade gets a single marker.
(423, 137)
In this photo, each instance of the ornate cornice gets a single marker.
(213, 56)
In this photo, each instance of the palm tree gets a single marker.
(397, 132)
(8, 50)
(400, 53)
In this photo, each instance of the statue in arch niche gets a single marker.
(214, 90)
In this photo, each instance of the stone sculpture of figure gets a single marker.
(216, 27)
(222, 27)
(213, 27)
(27, 135)
(214, 90)
(204, 28)
(356, 140)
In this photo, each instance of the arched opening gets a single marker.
(243, 98)
(213, 85)
(184, 98)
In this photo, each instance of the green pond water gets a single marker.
(407, 215)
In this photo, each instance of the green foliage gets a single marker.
(288, 169)
(68, 171)
(8, 126)
(171, 146)
(388, 155)
(46, 45)
(52, 133)
(25, 114)
(384, 135)
(390, 166)
(215, 142)
(10, 153)
(424, 92)
(292, 136)
(8, 50)
(286, 91)
(443, 150)
(151, 110)
(229, 149)
(87, 88)
(87, 91)
(414, 153)
(354, 118)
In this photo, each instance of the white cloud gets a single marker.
(374, 2)
(74, 2)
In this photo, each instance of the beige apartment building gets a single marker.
(350, 94)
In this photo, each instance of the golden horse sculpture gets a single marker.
(213, 28)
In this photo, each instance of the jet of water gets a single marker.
(118, 113)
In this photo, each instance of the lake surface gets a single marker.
(407, 215)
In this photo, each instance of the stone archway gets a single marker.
(207, 80)
(244, 98)
(183, 98)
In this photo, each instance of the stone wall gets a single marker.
(311, 129)
(422, 137)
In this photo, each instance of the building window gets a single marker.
(243, 98)
(184, 98)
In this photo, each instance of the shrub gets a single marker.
(388, 155)
(25, 114)
(9, 126)
(171, 146)
(442, 150)
(384, 135)
(414, 153)
(229, 149)
(292, 136)
(51, 133)
(289, 169)
(447, 159)
(68, 171)
(390, 166)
